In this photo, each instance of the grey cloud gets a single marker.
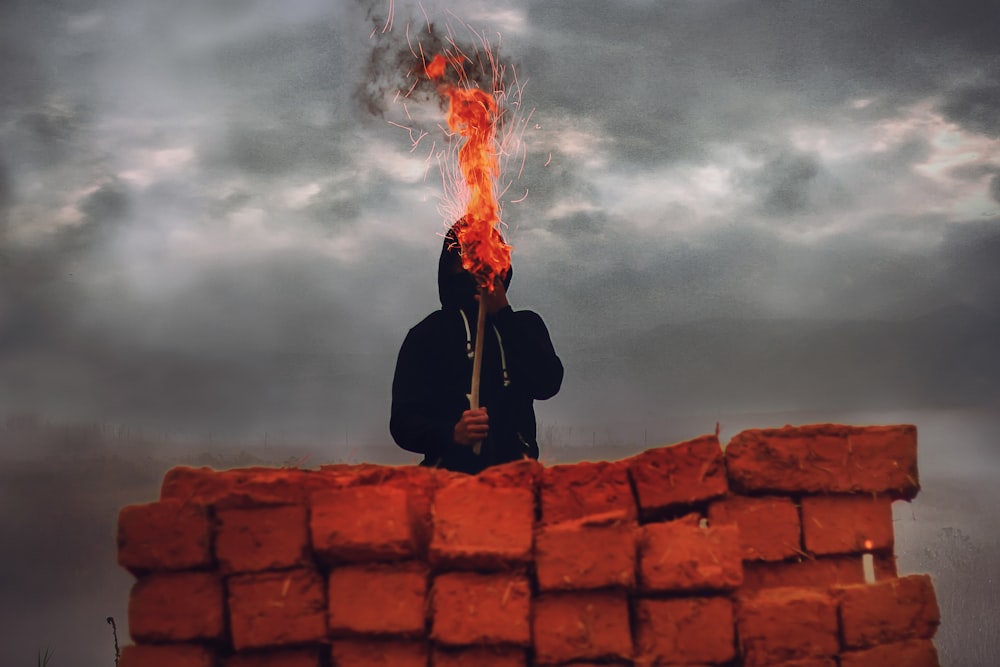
(995, 188)
(975, 107)
(758, 67)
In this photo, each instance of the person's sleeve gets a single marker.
(415, 424)
(531, 357)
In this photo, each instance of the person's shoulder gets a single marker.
(430, 325)
(524, 316)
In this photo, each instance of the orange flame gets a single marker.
(472, 114)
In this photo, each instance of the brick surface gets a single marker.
(477, 525)
(679, 556)
(471, 608)
(595, 552)
(783, 624)
(241, 487)
(808, 662)
(888, 611)
(843, 524)
(168, 535)
(682, 474)
(276, 608)
(362, 524)
(769, 526)
(291, 657)
(804, 573)
(825, 458)
(479, 656)
(573, 491)
(167, 655)
(265, 538)
(523, 474)
(176, 607)
(684, 631)
(584, 625)
(884, 459)
(913, 653)
(378, 653)
(378, 599)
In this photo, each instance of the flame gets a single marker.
(473, 115)
(868, 545)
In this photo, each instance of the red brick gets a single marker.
(167, 655)
(379, 652)
(573, 491)
(808, 662)
(291, 657)
(843, 524)
(819, 573)
(192, 485)
(783, 624)
(595, 552)
(241, 487)
(362, 524)
(913, 653)
(884, 460)
(810, 459)
(265, 538)
(888, 611)
(477, 525)
(276, 608)
(582, 625)
(682, 474)
(523, 474)
(769, 526)
(685, 631)
(825, 458)
(161, 536)
(378, 599)
(679, 556)
(885, 566)
(479, 656)
(470, 608)
(176, 607)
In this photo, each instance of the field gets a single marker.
(60, 491)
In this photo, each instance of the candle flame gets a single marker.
(868, 545)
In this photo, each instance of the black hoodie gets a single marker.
(434, 372)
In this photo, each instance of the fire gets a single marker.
(473, 115)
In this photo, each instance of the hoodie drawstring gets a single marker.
(469, 350)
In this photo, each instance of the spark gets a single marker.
(389, 17)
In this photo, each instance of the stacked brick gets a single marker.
(681, 555)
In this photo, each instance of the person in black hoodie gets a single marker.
(430, 411)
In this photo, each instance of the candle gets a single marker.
(868, 563)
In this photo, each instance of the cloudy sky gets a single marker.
(205, 226)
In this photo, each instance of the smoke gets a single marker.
(395, 69)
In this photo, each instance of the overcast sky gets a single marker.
(203, 228)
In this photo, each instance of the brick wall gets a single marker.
(680, 555)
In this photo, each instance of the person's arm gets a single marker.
(531, 357)
(415, 423)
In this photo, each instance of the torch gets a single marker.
(473, 115)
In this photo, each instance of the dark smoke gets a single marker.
(398, 58)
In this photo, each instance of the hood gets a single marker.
(457, 289)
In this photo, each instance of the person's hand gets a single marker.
(497, 299)
(473, 427)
